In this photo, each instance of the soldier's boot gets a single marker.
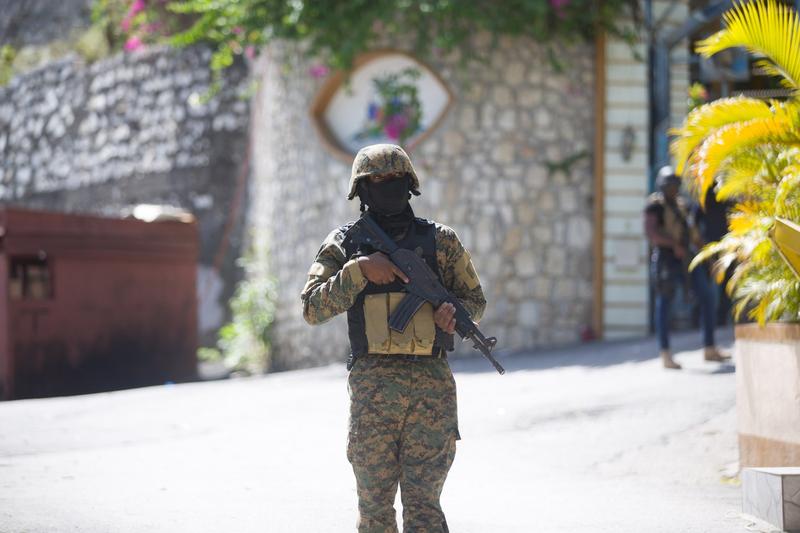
(711, 353)
(666, 358)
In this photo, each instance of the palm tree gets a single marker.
(749, 150)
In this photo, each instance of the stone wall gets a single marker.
(38, 22)
(484, 172)
(133, 129)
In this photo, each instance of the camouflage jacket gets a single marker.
(334, 283)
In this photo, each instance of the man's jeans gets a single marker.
(701, 285)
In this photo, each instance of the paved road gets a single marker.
(592, 439)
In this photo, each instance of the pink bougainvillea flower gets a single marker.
(152, 27)
(319, 71)
(237, 30)
(250, 51)
(136, 7)
(133, 43)
(391, 132)
(395, 126)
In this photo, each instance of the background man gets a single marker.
(671, 237)
(403, 420)
(712, 222)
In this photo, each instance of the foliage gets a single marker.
(92, 45)
(698, 95)
(339, 30)
(397, 115)
(750, 150)
(564, 165)
(129, 24)
(244, 342)
(7, 55)
(108, 15)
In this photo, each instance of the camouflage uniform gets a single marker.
(403, 419)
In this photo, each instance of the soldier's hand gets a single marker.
(379, 269)
(444, 316)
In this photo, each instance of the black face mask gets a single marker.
(386, 197)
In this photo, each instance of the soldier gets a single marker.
(403, 422)
(671, 237)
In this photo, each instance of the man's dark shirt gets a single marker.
(713, 219)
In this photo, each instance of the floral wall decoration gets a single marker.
(389, 97)
(395, 112)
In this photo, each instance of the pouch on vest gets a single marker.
(418, 337)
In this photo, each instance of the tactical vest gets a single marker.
(368, 318)
(674, 218)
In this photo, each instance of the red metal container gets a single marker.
(90, 304)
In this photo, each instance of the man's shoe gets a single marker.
(710, 353)
(666, 358)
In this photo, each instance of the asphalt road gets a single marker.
(598, 438)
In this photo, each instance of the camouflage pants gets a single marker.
(403, 430)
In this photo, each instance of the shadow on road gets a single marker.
(594, 354)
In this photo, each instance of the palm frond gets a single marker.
(740, 225)
(764, 27)
(740, 271)
(727, 140)
(721, 266)
(787, 188)
(751, 150)
(743, 298)
(706, 119)
(762, 252)
(742, 170)
(777, 295)
(769, 68)
(708, 251)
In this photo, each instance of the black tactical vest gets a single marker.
(421, 237)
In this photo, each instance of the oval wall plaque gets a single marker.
(390, 97)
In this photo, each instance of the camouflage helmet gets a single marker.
(381, 159)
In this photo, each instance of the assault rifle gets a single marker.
(423, 286)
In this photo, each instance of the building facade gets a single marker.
(541, 167)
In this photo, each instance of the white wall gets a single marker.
(625, 261)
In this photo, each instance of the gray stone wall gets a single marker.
(38, 22)
(132, 129)
(484, 172)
